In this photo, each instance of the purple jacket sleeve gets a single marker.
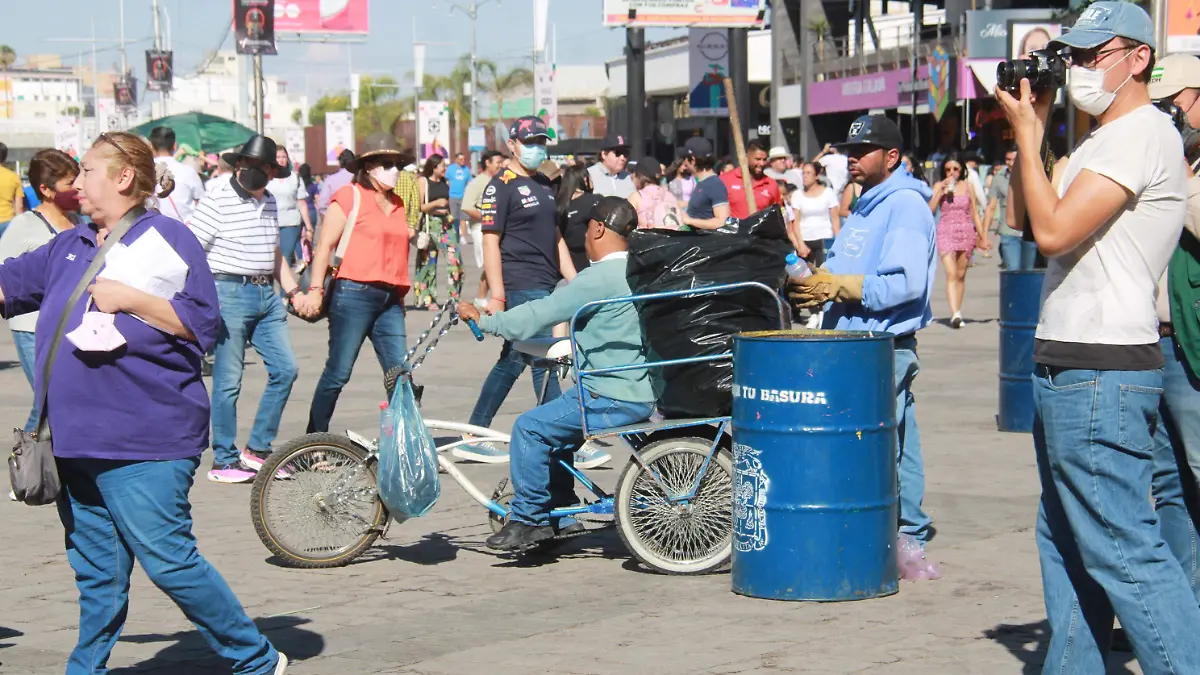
(196, 305)
(23, 280)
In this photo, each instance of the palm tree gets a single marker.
(499, 85)
(820, 28)
(451, 87)
(8, 56)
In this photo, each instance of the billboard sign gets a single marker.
(254, 26)
(322, 16)
(68, 135)
(682, 13)
(708, 64)
(339, 135)
(1183, 27)
(987, 30)
(433, 128)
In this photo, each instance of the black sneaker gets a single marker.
(518, 536)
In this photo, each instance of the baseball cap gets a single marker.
(697, 146)
(1105, 20)
(528, 127)
(612, 141)
(875, 130)
(778, 152)
(1173, 74)
(615, 213)
(647, 167)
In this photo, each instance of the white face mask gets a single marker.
(96, 333)
(1086, 87)
(386, 177)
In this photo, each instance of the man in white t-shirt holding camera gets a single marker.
(1108, 233)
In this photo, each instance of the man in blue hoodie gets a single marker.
(878, 277)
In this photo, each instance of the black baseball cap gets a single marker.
(876, 130)
(647, 167)
(614, 141)
(525, 128)
(696, 146)
(615, 213)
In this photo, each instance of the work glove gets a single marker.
(823, 287)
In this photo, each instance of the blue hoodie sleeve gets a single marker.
(903, 271)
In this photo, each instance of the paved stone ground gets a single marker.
(433, 600)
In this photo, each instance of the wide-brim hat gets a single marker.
(258, 147)
(378, 145)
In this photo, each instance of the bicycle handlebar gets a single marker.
(475, 329)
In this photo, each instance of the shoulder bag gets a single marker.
(31, 468)
(335, 262)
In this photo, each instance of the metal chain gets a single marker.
(437, 319)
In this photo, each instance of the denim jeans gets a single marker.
(252, 314)
(357, 311)
(910, 465)
(1176, 448)
(289, 243)
(510, 366)
(1098, 539)
(552, 432)
(24, 341)
(1016, 253)
(117, 512)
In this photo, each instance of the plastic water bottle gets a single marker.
(796, 268)
(387, 427)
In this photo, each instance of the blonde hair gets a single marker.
(127, 151)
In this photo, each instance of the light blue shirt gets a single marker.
(458, 177)
(889, 239)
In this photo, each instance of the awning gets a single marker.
(984, 71)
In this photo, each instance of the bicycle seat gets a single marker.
(553, 348)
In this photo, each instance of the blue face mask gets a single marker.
(532, 156)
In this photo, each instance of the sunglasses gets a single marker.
(105, 137)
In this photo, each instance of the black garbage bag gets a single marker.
(677, 328)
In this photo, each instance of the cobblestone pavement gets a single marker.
(431, 599)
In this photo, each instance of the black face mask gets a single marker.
(253, 178)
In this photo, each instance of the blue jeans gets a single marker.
(551, 432)
(910, 465)
(510, 366)
(1016, 253)
(117, 512)
(289, 243)
(1176, 447)
(24, 341)
(357, 311)
(252, 314)
(1100, 546)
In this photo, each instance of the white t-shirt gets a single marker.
(838, 170)
(181, 203)
(1103, 292)
(289, 194)
(813, 213)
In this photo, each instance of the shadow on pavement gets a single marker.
(8, 365)
(7, 634)
(602, 542)
(189, 654)
(1028, 642)
(433, 549)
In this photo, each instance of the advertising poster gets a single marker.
(294, 142)
(339, 135)
(254, 26)
(322, 16)
(1183, 26)
(125, 93)
(545, 98)
(941, 81)
(433, 128)
(708, 64)
(1026, 37)
(681, 13)
(477, 138)
(68, 135)
(159, 71)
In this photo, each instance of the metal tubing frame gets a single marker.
(706, 290)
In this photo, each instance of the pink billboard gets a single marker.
(321, 16)
(862, 92)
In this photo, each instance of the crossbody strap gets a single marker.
(344, 243)
(114, 236)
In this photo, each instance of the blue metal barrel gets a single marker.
(814, 439)
(1020, 303)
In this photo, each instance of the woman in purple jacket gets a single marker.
(129, 424)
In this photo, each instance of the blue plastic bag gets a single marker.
(408, 462)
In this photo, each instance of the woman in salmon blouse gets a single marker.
(367, 297)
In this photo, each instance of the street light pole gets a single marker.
(472, 13)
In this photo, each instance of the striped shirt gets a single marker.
(239, 233)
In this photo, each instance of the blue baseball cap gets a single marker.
(1105, 20)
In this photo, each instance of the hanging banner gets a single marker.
(433, 128)
(68, 136)
(545, 98)
(339, 135)
(108, 118)
(941, 81)
(679, 13)
(477, 139)
(418, 66)
(322, 16)
(541, 11)
(159, 70)
(125, 93)
(294, 142)
(254, 26)
(708, 62)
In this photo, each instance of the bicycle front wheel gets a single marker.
(315, 503)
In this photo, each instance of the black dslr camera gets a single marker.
(1045, 70)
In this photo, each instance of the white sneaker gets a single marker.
(956, 321)
(483, 452)
(590, 456)
(281, 667)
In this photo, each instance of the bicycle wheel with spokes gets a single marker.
(669, 534)
(315, 504)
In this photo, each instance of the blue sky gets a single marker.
(505, 36)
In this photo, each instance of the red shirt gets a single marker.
(766, 193)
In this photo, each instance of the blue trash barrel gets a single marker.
(1020, 303)
(814, 444)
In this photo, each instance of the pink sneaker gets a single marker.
(230, 474)
(255, 461)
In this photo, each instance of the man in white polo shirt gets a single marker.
(238, 225)
(1107, 233)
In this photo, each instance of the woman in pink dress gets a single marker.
(959, 231)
